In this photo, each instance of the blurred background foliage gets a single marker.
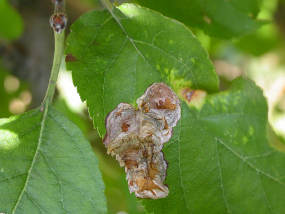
(26, 52)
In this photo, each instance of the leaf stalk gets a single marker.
(58, 52)
(58, 21)
(108, 5)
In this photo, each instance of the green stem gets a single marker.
(58, 52)
(108, 5)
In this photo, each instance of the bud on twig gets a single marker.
(58, 22)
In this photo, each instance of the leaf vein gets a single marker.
(46, 159)
(131, 40)
(22, 134)
(251, 165)
(104, 80)
(95, 36)
(38, 206)
(261, 155)
(135, 78)
(13, 176)
(179, 163)
(34, 158)
(265, 196)
(178, 61)
(79, 148)
(221, 179)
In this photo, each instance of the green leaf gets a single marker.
(61, 105)
(262, 41)
(217, 18)
(47, 166)
(11, 23)
(127, 53)
(220, 160)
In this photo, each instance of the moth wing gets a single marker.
(160, 99)
(119, 123)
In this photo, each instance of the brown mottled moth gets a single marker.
(136, 137)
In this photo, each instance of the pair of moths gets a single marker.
(136, 137)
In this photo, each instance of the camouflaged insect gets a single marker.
(136, 137)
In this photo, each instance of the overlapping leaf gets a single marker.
(219, 156)
(11, 23)
(217, 18)
(47, 166)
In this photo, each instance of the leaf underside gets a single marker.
(219, 156)
(47, 166)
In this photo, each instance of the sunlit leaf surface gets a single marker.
(47, 166)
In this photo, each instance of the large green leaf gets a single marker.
(220, 160)
(127, 53)
(217, 18)
(219, 156)
(47, 166)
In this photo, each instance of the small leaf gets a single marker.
(11, 23)
(217, 18)
(130, 51)
(47, 166)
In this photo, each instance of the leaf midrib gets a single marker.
(131, 40)
(134, 45)
(44, 118)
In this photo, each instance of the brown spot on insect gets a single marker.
(159, 98)
(125, 126)
(145, 109)
(193, 97)
(166, 125)
(152, 171)
(166, 104)
(119, 113)
(70, 58)
(136, 138)
(130, 163)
